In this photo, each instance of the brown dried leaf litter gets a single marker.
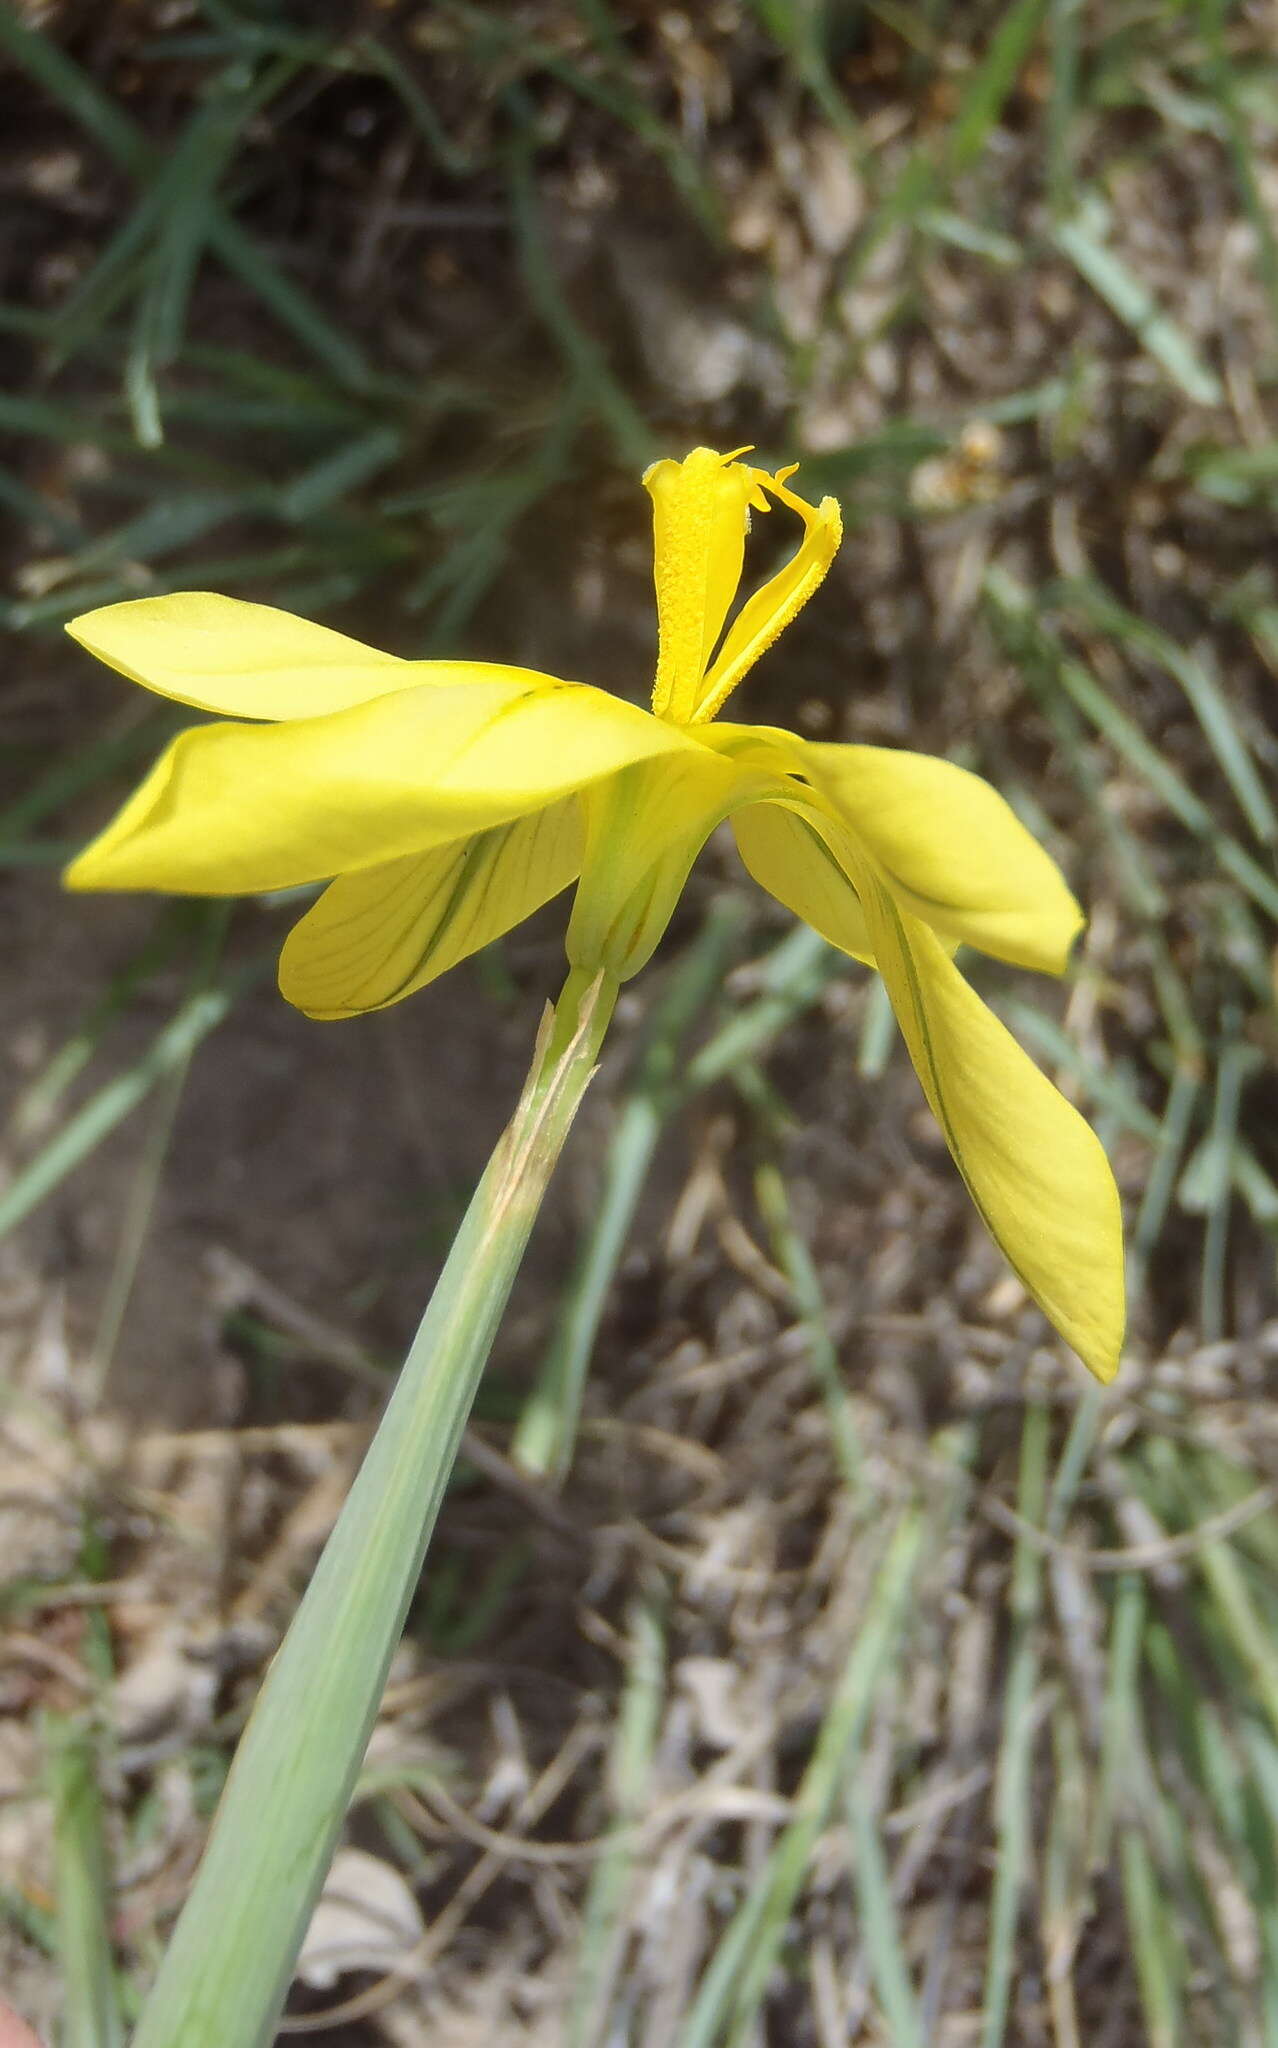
(706, 1466)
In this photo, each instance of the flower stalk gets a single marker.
(226, 1973)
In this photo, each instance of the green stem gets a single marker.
(226, 1973)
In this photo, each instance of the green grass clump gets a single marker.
(374, 319)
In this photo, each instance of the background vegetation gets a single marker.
(848, 1670)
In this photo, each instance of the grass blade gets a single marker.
(1164, 1169)
(1155, 1948)
(116, 1099)
(880, 1929)
(604, 1929)
(93, 110)
(988, 89)
(1212, 15)
(1013, 607)
(72, 88)
(736, 1981)
(92, 2010)
(186, 190)
(1082, 240)
(1012, 1813)
(1202, 687)
(581, 352)
(799, 1267)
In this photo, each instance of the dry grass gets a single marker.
(868, 1678)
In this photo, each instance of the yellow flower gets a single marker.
(450, 799)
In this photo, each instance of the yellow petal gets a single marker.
(771, 609)
(644, 829)
(251, 661)
(1036, 1172)
(789, 860)
(953, 852)
(379, 935)
(700, 512)
(242, 808)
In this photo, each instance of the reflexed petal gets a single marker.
(377, 936)
(770, 610)
(251, 661)
(954, 853)
(1036, 1172)
(235, 808)
(789, 860)
(644, 829)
